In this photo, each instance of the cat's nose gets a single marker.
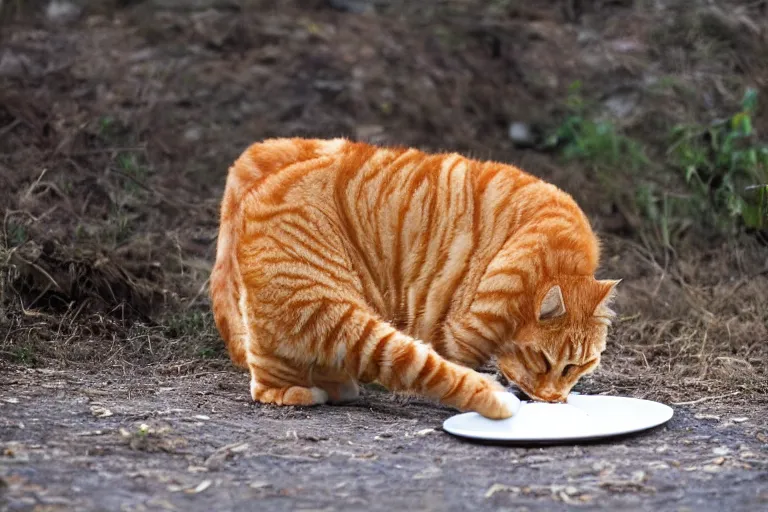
(550, 395)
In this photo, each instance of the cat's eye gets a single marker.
(568, 369)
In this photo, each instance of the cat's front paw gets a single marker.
(509, 403)
(496, 405)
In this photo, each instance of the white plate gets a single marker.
(583, 417)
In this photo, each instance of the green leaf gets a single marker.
(749, 102)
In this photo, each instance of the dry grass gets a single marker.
(115, 136)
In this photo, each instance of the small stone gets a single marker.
(62, 12)
(740, 419)
(587, 36)
(14, 65)
(721, 450)
(620, 105)
(627, 45)
(521, 134)
(425, 432)
(712, 468)
(719, 461)
(712, 417)
(259, 484)
(193, 134)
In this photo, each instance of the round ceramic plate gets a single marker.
(583, 417)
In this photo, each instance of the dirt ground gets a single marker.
(210, 448)
(118, 120)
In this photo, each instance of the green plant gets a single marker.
(594, 141)
(24, 355)
(188, 323)
(207, 352)
(726, 167)
(129, 166)
(17, 234)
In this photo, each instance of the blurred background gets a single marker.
(119, 119)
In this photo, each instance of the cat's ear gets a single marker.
(553, 305)
(606, 294)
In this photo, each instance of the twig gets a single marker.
(34, 185)
(7, 128)
(199, 293)
(707, 398)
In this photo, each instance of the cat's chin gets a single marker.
(526, 397)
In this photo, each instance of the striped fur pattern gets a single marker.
(340, 262)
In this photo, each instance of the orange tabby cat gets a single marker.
(340, 262)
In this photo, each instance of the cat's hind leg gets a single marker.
(274, 381)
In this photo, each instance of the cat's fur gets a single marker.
(340, 262)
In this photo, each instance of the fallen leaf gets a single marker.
(740, 419)
(88, 433)
(239, 448)
(501, 488)
(200, 487)
(566, 498)
(428, 473)
(11, 400)
(100, 412)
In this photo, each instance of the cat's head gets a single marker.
(560, 338)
